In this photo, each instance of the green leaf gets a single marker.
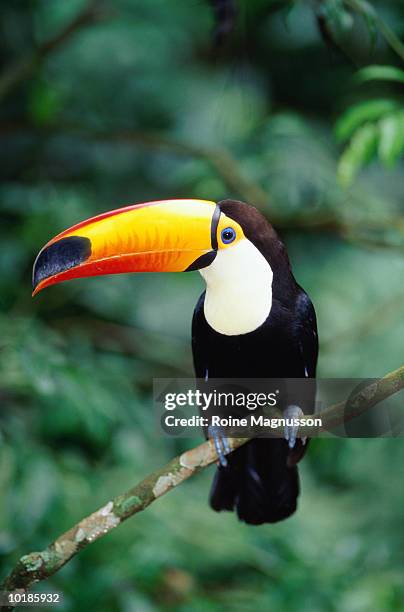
(391, 138)
(380, 73)
(354, 117)
(361, 149)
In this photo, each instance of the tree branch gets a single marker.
(38, 566)
(221, 160)
(363, 232)
(21, 69)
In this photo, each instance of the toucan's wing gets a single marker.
(307, 334)
(199, 348)
(303, 394)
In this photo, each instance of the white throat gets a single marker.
(238, 289)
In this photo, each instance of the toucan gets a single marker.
(252, 321)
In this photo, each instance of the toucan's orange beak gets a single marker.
(164, 236)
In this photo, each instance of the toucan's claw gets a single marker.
(290, 431)
(221, 443)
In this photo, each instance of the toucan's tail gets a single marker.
(258, 483)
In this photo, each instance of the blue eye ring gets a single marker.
(228, 235)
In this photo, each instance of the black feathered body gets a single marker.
(285, 346)
(261, 480)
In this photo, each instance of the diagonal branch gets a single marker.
(41, 565)
(221, 160)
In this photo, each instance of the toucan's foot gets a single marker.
(290, 431)
(221, 443)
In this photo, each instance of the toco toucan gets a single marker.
(253, 320)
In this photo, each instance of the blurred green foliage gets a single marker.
(77, 363)
(375, 125)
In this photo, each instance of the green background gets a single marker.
(124, 110)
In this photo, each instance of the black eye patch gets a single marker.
(60, 256)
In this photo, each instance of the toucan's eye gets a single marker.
(228, 235)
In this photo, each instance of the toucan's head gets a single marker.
(230, 242)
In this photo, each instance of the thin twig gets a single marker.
(366, 9)
(38, 566)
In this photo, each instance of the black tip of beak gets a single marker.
(59, 257)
